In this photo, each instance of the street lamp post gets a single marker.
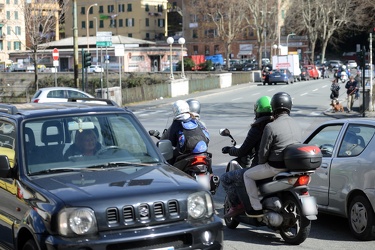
(275, 48)
(170, 41)
(181, 41)
(287, 42)
(96, 30)
(87, 24)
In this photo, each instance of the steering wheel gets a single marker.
(105, 149)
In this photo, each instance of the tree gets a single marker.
(226, 17)
(328, 21)
(262, 20)
(41, 21)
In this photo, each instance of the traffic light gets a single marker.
(86, 59)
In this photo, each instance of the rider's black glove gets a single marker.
(225, 150)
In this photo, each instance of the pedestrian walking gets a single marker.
(351, 90)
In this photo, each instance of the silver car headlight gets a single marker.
(77, 221)
(200, 205)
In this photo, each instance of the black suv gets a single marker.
(121, 195)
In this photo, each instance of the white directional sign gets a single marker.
(104, 39)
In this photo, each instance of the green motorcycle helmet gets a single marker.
(263, 106)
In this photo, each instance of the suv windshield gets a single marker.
(90, 141)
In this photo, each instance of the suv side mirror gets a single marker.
(5, 168)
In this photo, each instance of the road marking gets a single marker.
(235, 99)
(315, 90)
(303, 94)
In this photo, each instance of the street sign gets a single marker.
(103, 44)
(55, 54)
(104, 39)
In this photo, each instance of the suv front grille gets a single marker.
(143, 213)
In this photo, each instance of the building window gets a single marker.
(101, 23)
(101, 9)
(8, 15)
(216, 49)
(207, 50)
(195, 33)
(18, 30)
(83, 10)
(9, 45)
(193, 18)
(8, 2)
(83, 25)
(15, 2)
(147, 36)
(16, 15)
(129, 7)
(121, 22)
(195, 49)
(210, 33)
(121, 8)
(111, 8)
(113, 23)
(129, 22)
(147, 22)
(91, 11)
(9, 30)
(160, 8)
(17, 45)
(91, 24)
(160, 23)
(130, 35)
(1, 46)
(147, 7)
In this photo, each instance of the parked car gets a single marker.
(313, 71)
(351, 64)
(95, 69)
(280, 76)
(344, 184)
(58, 94)
(235, 67)
(334, 64)
(305, 74)
(125, 196)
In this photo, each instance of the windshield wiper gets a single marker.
(118, 164)
(56, 170)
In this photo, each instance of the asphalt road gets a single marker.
(233, 108)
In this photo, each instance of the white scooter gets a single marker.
(344, 77)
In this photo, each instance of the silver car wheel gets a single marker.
(358, 217)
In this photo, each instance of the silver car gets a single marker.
(344, 184)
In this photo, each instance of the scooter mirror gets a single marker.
(224, 132)
(155, 133)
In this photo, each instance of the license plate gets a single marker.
(309, 206)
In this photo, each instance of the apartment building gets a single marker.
(12, 28)
(141, 19)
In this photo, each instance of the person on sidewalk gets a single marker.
(277, 135)
(335, 88)
(351, 90)
(249, 149)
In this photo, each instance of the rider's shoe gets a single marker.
(234, 211)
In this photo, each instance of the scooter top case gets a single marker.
(302, 157)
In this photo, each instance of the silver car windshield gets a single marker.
(86, 142)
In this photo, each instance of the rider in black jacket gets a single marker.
(232, 179)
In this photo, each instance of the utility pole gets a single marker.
(371, 107)
(75, 43)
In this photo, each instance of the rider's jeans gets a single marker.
(258, 172)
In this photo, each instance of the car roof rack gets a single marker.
(8, 108)
(107, 101)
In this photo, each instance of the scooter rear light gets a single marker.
(302, 181)
(199, 160)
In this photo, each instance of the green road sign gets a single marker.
(103, 44)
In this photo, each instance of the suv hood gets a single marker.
(74, 187)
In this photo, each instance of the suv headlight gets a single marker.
(77, 221)
(200, 205)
